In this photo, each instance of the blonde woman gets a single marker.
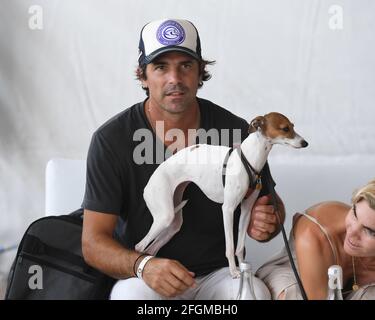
(326, 234)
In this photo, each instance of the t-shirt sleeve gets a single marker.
(104, 187)
(266, 173)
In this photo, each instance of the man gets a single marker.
(192, 265)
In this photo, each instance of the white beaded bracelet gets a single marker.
(142, 266)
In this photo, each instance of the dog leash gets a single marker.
(271, 188)
(253, 183)
(223, 172)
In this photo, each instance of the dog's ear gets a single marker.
(257, 124)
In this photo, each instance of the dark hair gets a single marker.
(140, 73)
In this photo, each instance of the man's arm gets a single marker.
(264, 224)
(167, 277)
(103, 252)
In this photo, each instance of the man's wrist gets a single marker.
(137, 262)
(142, 265)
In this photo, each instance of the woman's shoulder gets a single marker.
(329, 215)
(335, 206)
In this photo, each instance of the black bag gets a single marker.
(49, 263)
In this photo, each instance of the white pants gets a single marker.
(218, 285)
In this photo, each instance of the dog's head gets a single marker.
(277, 129)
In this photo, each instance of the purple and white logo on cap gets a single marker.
(170, 33)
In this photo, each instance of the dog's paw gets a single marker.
(139, 247)
(235, 273)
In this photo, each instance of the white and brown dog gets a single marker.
(203, 165)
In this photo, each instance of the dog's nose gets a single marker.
(304, 144)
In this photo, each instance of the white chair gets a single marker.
(65, 185)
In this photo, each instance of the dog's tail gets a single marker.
(180, 206)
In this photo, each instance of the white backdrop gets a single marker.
(59, 83)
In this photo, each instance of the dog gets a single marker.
(203, 164)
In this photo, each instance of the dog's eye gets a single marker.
(285, 129)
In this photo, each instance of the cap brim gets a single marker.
(160, 51)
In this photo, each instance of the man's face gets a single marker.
(172, 80)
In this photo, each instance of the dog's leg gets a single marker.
(162, 231)
(246, 206)
(234, 191)
(175, 226)
(162, 210)
(228, 211)
(167, 233)
(157, 227)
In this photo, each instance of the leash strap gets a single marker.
(250, 170)
(253, 183)
(223, 172)
(275, 205)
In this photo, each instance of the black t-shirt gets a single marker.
(115, 183)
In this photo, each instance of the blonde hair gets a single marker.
(367, 193)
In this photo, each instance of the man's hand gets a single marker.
(263, 220)
(167, 277)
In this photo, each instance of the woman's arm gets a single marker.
(314, 257)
